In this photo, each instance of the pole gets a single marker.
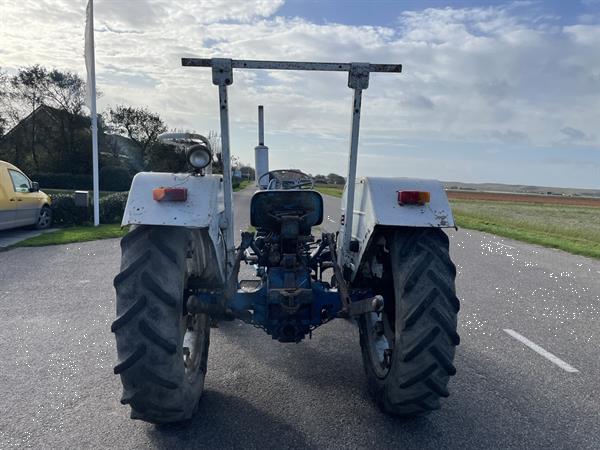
(90, 59)
(351, 180)
(358, 79)
(261, 125)
(226, 155)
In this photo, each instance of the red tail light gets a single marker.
(169, 194)
(413, 197)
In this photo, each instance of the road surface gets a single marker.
(535, 385)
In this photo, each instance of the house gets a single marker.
(56, 141)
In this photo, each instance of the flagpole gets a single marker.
(91, 63)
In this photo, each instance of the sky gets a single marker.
(491, 91)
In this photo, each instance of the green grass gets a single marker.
(334, 191)
(575, 229)
(243, 184)
(75, 234)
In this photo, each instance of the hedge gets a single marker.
(114, 178)
(66, 213)
(112, 207)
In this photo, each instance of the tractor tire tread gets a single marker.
(425, 321)
(150, 291)
(129, 314)
(448, 328)
(134, 234)
(421, 345)
(130, 360)
(157, 290)
(163, 248)
(448, 294)
(156, 338)
(416, 313)
(132, 268)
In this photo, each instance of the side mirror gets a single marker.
(35, 186)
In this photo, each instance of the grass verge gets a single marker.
(243, 184)
(574, 229)
(74, 234)
(334, 191)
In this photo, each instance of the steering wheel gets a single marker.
(276, 180)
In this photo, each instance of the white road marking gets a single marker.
(546, 354)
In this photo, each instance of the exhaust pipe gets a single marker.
(261, 151)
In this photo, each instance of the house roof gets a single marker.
(49, 111)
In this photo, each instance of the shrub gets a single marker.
(235, 182)
(114, 178)
(166, 158)
(112, 207)
(64, 211)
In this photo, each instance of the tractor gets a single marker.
(387, 267)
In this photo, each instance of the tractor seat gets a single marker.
(268, 207)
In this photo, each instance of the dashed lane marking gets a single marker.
(539, 350)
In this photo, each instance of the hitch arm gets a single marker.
(373, 304)
(231, 286)
(339, 278)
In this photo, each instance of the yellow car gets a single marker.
(21, 201)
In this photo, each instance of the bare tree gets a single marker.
(138, 124)
(3, 105)
(66, 91)
(28, 89)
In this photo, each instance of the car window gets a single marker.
(20, 182)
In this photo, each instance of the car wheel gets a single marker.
(44, 219)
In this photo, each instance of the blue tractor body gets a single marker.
(290, 299)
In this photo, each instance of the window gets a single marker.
(20, 182)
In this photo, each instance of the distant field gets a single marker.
(571, 224)
(528, 198)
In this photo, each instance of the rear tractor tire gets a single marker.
(162, 350)
(408, 350)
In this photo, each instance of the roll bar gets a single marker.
(222, 76)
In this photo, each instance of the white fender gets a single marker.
(203, 208)
(376, 204)
(203, 205)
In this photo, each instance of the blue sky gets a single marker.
(491, 91)
(386, 12)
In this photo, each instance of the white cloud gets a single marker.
(493, 75)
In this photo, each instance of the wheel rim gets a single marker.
(44, 218)
(380, 342)
(195, 343)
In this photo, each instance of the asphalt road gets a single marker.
(57, 389)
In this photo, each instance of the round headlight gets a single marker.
(198, 156)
